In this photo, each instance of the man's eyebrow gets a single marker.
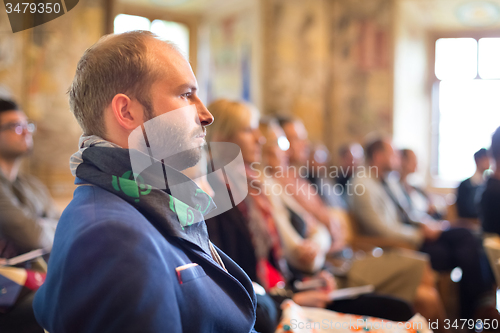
(188, 86)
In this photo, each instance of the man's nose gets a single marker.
(205, 116)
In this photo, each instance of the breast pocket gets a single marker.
(188, 272)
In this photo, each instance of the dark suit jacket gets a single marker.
(229, 231)
(467, 199)
(112, 271)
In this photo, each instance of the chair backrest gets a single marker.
(452, 212)
(492, 249)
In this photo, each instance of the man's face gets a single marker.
(12, 144)
(275, 156)
(299, 148)
(175, 89)
(347, 161)
(409, 163)
(483, 164)
(386, 159)
(249, 141)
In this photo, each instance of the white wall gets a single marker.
(412, 114)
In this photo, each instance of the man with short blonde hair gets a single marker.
(130, 255)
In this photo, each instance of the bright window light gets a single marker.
(174, 32)
(489, 55)
(469, 113)
(456, 58)
(177, 33)
(124, 23)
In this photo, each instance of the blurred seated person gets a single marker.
(323, 177)
(380, 213)
(29, 217)
(467, 198)
(297, 179)
(350, 157)
(418, 202)
(254, 236)
(305, 241)
(489, 207)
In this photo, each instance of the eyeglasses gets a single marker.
(19, 128)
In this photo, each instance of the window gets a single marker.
(175, 32)
(468, 73)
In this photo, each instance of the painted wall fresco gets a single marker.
(37, 72)
(330, 63)
(326, 61)
(229, 54)
(295, 59)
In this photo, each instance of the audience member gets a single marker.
(320, 175)
(417, 201)
(379, 213)
(29, 216)
(489, 206)
(295, 225)
(467, 199)
(298, 155)
(128, 256)
(350, 157)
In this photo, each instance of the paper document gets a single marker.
(349, 293)
(22, 258)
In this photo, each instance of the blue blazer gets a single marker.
(110, 270)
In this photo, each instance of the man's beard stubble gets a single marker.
(188, 156)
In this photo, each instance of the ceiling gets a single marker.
(188, 6)
(455, 14)
(437, 14)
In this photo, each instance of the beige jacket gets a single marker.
(377, 214)
(28, 217)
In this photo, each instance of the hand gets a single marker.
(338, 236)
(330, 284)
(432, 209)
(307, 251)
(313, 298)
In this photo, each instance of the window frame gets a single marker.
(115, 8)
(433, 88)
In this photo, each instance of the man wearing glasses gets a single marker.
(28, 216)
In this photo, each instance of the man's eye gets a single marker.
(186, 95)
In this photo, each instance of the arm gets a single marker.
(306, 254)
(19, 226)
(112, 279)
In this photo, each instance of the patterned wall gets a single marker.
(330, 63)
(326, 61)
(37, 71)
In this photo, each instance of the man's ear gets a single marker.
(127, 112)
